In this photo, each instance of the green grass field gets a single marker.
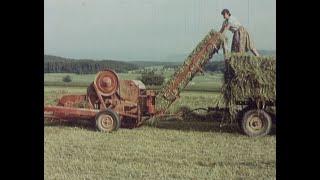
(208, 82)
(189, 149)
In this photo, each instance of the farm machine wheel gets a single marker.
(107, 121)
(107, 82)
(256, 122)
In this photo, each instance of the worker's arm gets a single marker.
(225, 26)
(222, 29)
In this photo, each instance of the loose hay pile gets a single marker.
(249, 78)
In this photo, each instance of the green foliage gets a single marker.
(151, 78)
(66, 79)
(54, 64)
(215, 66)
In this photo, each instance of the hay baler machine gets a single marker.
(109, 101)
(113, 103)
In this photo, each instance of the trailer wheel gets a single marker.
(107, 121)
(256, 123)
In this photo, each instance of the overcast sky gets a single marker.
(147, 29)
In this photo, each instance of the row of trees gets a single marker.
(54, 64)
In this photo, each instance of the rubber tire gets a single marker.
(266, 123)
(240, 115)
(115, 117)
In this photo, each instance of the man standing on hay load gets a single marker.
(241, 41)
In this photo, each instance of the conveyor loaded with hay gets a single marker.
(248, 92)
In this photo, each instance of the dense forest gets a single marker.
(55, 64)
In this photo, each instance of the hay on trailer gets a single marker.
(248, 78)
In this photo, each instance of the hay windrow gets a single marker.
(248, 78)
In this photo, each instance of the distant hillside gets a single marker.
(268, 52)
(143, 64)
(56, 64)
(216, 64)
(88, 66)
(217, 57)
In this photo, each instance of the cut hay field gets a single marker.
(208, 82)
(190, 149)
